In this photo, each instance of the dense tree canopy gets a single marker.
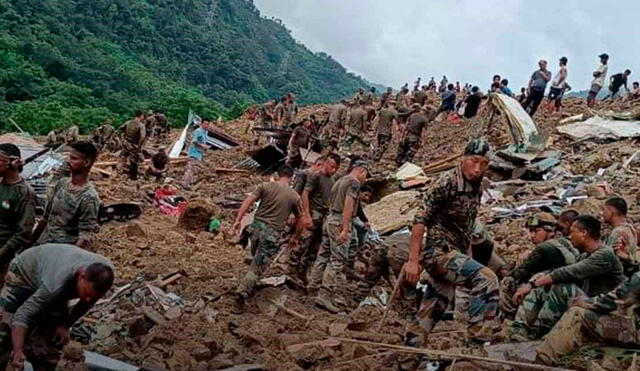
(86, 61)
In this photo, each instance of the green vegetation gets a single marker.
(66, 62)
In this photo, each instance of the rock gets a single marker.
(196, 215)
(173, 313)
(73, 351)
(135, 229)
(595, 161)
(201, 353)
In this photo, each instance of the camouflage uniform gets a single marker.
(34, 297)
(39, 348)
(384, 259)
(133, 138)
(448, 213)
(543, 306)
(264, 241)
(162, 125)
(71, 214)
(608, 320)
(408, 148)
(550, 254)
(341, 256)
(385, 121)
(318, 186)
(337, 277)
(277, 202)
(338, 117)
(410, 145)
(356, 128)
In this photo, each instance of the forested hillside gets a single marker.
(84, 61)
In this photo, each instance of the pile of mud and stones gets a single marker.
(171, 308)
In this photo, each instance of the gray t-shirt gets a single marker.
(539, 81)
(48, 272)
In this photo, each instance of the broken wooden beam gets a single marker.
(227, 170)
(170, 280)
(450, 356)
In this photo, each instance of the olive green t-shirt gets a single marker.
(348, 185)
(385, 119)
(319, 187)
(277, 202)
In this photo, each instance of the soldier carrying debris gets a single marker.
(133, 137)
(277, 202)
(71, 214)
(17, 206)
(34, 300)
(447, 213)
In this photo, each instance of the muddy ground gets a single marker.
(203, 334)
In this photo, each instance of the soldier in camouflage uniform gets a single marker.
(609, 318)
(133, 137)
(71, 134)
(338, 118)
(623, 237)
(161, 127)
(315, 205)
(356, 127)
(34, 301)
(71, 214)
(384, 258)
(386, 121)
(17, 206)
(340, 240)
(551, 252)
(277, 202)
(552, 293)
(411, 136)
(447, 213)
(300, 138)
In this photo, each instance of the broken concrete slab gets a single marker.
(598, 127)
(393, 212)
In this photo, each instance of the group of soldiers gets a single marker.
(46, 262)
(574, 277)
(128, 140)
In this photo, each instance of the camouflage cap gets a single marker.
(542, 220)
(360, 163)
(10, 151)
(477, 147)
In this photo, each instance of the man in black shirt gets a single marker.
(472, 102)
(616, 82)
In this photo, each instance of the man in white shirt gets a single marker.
(599, 76)
(558, 86)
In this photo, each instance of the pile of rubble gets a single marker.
(171, 305)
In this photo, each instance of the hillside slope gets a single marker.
(81, 61)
